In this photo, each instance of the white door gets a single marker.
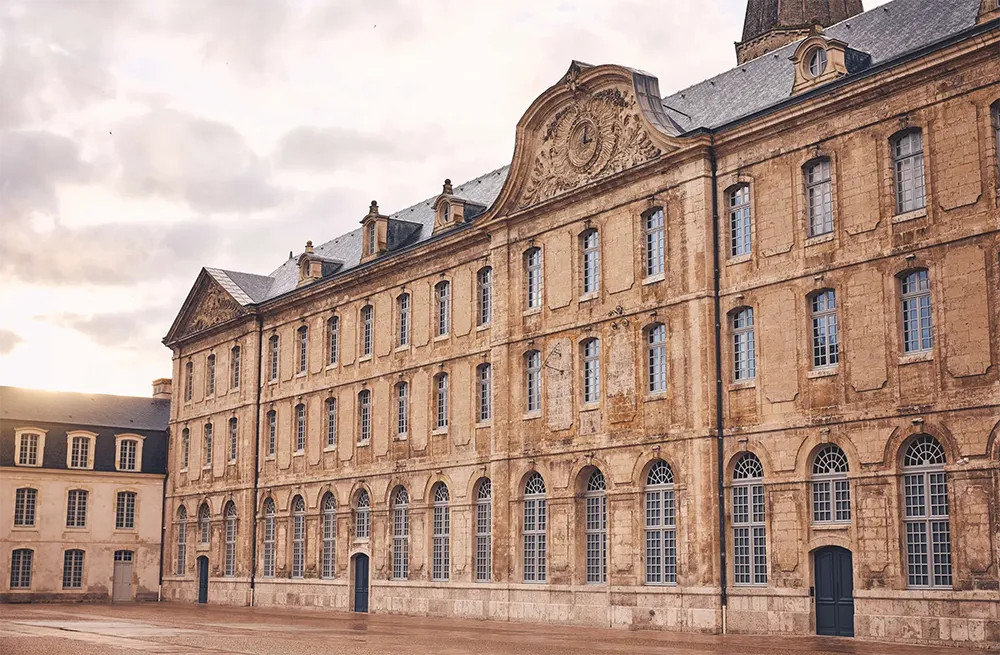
(122, 588)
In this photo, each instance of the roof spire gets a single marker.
(771, 24)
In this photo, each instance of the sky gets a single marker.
(141, 141)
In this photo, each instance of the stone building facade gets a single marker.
(81, 495)
(724, 360)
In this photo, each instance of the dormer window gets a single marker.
(445, 212)
(817, 61)
(128, 456)
(372, 241)
(374, 233)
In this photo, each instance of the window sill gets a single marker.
(591, 406)
(483, 425)
(30, 466)
(301, 374)
(653, 279)
(819, 238)
(483, 327)
(442, 337)
(269, 458)
(207, 467)
(233, 390)
(438, 431)
(400, 437)
(329, 449)
(742, 384)
(330, 367)
(365, 358)
(363, 444)
(913, 358)
(231, 462)
(298, 453)
(401, 348)
(531, 311)
(273, 381)
(910, 215)
(24, 528)
(739, 259)
(210, 396)
(183, 470)
(654, 396)
(831, 525)
(587, 297)
(532, 416)
(80, 468)
(823, 372)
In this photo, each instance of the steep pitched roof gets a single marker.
(84, 409)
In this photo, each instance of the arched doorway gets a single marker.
(360, 582)
(202, 580)
(834, 574)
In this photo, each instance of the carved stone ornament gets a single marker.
(214, 306)
(595, 136)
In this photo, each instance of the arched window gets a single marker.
(442, 297)
(331, 422)
(661, 525)
(533, 381)
(400, 534)
(819, 196)
(298, 537)
(590, 247)
(441, 546)
(825, 342)
(76, 508)
(402, 409)
(329, 568)
(591, 371)
(303, 334)
(188, 380)
(749, 532)
(908, 163)
(484, 292)
(234, 438)
(831, 491)
(744, 358)
(204, 524)
(270, 534)
(534, 529)
(181, 562)
(367, 325)
(73, 569)
(362, 515)
(20, 568)
(25, 499)
(656, 358)
(273, 357)
(235, 367)
(300, 428)
(596, 528)
(332, 339)
(533, 277)
(653, 228)
(272, 432)
(230, 559)
(817, 61)
(740, 222)
(915, 297)
(926, 514)
(209, 434)
(441, 401)
(484, 531)
(403, 314)
(210, 377)
(185, 447)
(364, 416)
(484, 393)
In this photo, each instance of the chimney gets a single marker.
(162, 388)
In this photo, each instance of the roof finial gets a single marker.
(309, 246)
(373, 210)
(446, 190)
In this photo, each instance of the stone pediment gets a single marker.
(208, 305)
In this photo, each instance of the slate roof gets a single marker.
(84, 409)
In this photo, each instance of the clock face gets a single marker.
(584, 143)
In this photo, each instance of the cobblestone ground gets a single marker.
(180, 629)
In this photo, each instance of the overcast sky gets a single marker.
(140, 141)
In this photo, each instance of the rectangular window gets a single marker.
(366, 330)
(656, 341)
(76, 509)
(402, 409)
(441, 401)
(744, 359)
(654, 243)
(300, 428)
(908, 160)
(534, 540)
(592, 371)
(234, 438)
(485, 383)
(533, 275)
(210, 376)
(73, 569)
(533, 381)
(20, 568)
(740, 224)
(230, 557)
(303, 333)
(485, 283)
(234, 366)
(443, 294)
(24, 506)
(928, 530)
(591, 262)
(403, 307)
(80, 453)
(333, 337)
(273, 357)
(365, 415)
(918, 335)
(372, 238)
(185, 447)
(28, 454)
(129, 449)
(826, 346)
(819, 196)
(331, 422)
(125, 511)
(208, 446)
(188, 381)
(270, 530)
(272, 432)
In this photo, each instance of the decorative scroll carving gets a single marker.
(596, 136)
(214, 306)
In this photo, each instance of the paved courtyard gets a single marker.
(189, 629)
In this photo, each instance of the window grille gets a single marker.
(661, 525)
(744, 358)
(533, 381)
(596, 528)
(534, 534)
(76, 508)
(826, 345)
(918, 333)
(591, 262)
(484, 531)
(831, 490)
(125, 511)
(441, 546)
(819, 196)
(400, 535)
(908, 162)
(329, 568)
(749, 528)
(926, 515)
(24, 506)
(654, 243)
(740, 222)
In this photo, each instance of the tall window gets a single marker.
(591, 261)
(332, 339)
(235, 365)
(331, 422)
(661, 525)
(362, 515)
(24, 506)
(298, 537)
(656, 358)
(533, 381)
(270, 535)
(915, 290)
(79, 457)
(740, 222)
(403, 311)
(182, 539)
(819, 197)
(125, 511)
(329, 568)
(402, 409)
(825, 345)
(484, 393)
(533, 277)
(364, 416)
(230, 558)
(208, 445)
(234, 438)
(596, 528)
(367, 315)
(484, 287)
(534, 529)
(188, 381)
(185, 447)
(272, 358)
(300, 428)
(441, 401)
(926, 514)
(831, 492)
(73, 569)
(908, 162)
(995, 113)
(272, 431)
(27, 454)
(400, 534)
(749, 532)
(128, 452)
(372, 240)
(210, 376)
(484, 531)
(20, 568)
(653, 224)
(76, 508)
(591, 371)
(744, 359)
(441, 546)
(303, 348)
(442, 298)
(204, 524)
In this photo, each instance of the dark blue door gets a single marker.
(202, 579)
(361, 583)
(834, 592)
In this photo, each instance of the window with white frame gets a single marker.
(185, 448)
(329, 561)
(298, 537)
(749, 528)
(234, 438)
(825, 343)
(125, 510)
(270, 538)
(235, 366)
(596, 528)
(20, 568)
(831, 491)
(209, 435)
(300, 428)
(995, 114)
(364, 416)
(331, 422)
(441, 544)
(533, 381)
(533, 277)
(591, 371)
(210, 376)
(740, 222)
(533, 532)
(72, 569)
(29, 448)
(590, 246)
(362, 515)
(303, 349)
(25, 501)
(128, 454)
(229, 569)
(188, 381)
(402, 409)
(332, 340)
(273, 357)
(484, 531)
(656, 358)
(819, 197)
(400, 534)
(817, 61)
(661, 525)
(655, 242)
(484, 393)
(372, 237)
(908, 164)
(180, 564)
(484, 294)
(81, 451)
(204, 524)
(926, 514)
(915, 297)
(403, 324)
(367, 325)
(441, 401)
(76, 508)
(442, 298)
(272, 432)
(744, 358)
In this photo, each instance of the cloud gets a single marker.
(236, 32)
(8, 341)
(33, 163)
(138, 327)
(326, 148)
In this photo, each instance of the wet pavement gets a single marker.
(181, 629)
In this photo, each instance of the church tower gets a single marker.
(770, 24)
